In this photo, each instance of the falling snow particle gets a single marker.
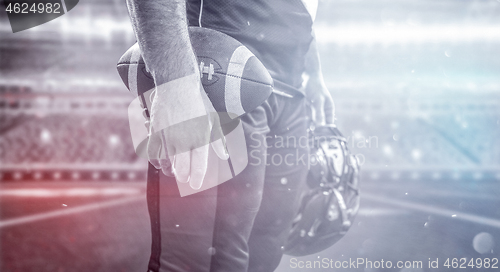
(483, 243)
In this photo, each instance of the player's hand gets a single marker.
(321, 101)
(183, 123)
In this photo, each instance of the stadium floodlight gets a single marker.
(406, 34)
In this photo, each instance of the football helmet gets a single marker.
(331, 201)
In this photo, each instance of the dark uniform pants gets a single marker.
(242, 224)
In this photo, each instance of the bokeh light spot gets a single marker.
(483, 242)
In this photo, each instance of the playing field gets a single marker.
(416, 89)
(104, 226)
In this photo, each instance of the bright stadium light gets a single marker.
(387, 150)
(45, 136)
(416, 154)
(131, 175)
(406, 34)
(114, 140)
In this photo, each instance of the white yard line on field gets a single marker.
(69, 192)
(435, 210)
(68, 211)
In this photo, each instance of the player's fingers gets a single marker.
(199, 163)
(154, 147)
(216, 135)
(182, 166)
(318, 110)
(166, 167)
(155, 163)
(219, 147)
(164, 159)
(329, 109)
(206, 101)
(218, 142)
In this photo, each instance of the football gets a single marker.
(235, 81)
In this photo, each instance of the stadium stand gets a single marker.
(420, 104)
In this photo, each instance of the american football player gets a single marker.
(242, 224)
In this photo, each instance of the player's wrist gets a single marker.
(177, 101)
(171, 69)
(315, 88)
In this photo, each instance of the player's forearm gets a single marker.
(313, 65)
(162, 34)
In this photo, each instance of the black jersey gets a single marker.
(278, 32)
